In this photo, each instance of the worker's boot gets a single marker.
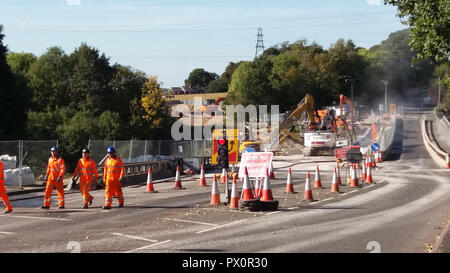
(106, 207)
(45, 207)
(8, 211)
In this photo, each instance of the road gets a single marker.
(403, 212)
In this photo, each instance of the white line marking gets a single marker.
(273, 212)
(145, 247)
(370, 186)
(292, 208)
(325, 200)
(229, 224)
(188, 221)
(8, 233)
(135, 237)
(349, 192)
(42, 218)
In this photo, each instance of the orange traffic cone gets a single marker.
(447, 159)
(338, 174)
(354, 180)
(272, 174)
(150, 187)
(224, 175)
(317, 182)
(202, 177)
(267, 191)
(364, 170)
(335, 183)
(215, 195)
(369, 179)
(178, 180)
(257, 188)
(247, 193)
(380, 157)
(234, 200)
(308, 192)
(289, 186)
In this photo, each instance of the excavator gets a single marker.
(325, 128)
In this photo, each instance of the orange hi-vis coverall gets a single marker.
(55, 168)
(111, 175)
(3, 194)
(87, 170)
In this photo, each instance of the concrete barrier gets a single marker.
(387, 140)
(439, 156)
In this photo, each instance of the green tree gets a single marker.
(12, 98)
(49, 78)
(430, 26)
(200, 78)
(155, 110)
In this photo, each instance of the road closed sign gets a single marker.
(256, 164)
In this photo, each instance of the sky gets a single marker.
(170, 38)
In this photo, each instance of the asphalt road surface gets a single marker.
(402, 212)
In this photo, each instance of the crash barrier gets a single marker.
(31, 153)
(134, 151)
(437, 154)
(441, 127)
(387, 138)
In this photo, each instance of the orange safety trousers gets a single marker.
(55, 168)
(87, 169)
(3, 194)
(112, 173)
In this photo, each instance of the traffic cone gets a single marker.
(308, 192)
(289, 186)
(234, 200)
(150, 187)
(247, 193)
(338, 174)
(215, 195)
(380, 157)
(257, 188)
(354, 180)
(317, 182)
(364, 170)
(447, 158)
(349, 177)
(224, 175)
(178, 180)
(369, 179)
(272, 174)
(267, 191)
(335, 183)
(202, 177)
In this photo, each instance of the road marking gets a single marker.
(273, 212)
(370, 186)
(325, 200)
(188, 221)
(229, 224)
(135, 237)
(145, 247)
(42, 218)
(7, 233)
(292, 208)
(349, 192)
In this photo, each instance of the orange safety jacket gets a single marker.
(55, 168)
(113, 169)
(2, 175)
(87, 169)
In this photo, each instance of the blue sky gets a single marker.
(170, 38)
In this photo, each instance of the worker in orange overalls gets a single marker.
(87, 170)
(113, 175)
(3, 194)
(54, 179)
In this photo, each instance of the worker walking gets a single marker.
(54, 179)
(3, 194)
(87, 170)
(112, 175)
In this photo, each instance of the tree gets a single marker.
(49, 79)
(221, 84)
(12, 110)
(430, 26)
(155, 110)
(200, 78)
